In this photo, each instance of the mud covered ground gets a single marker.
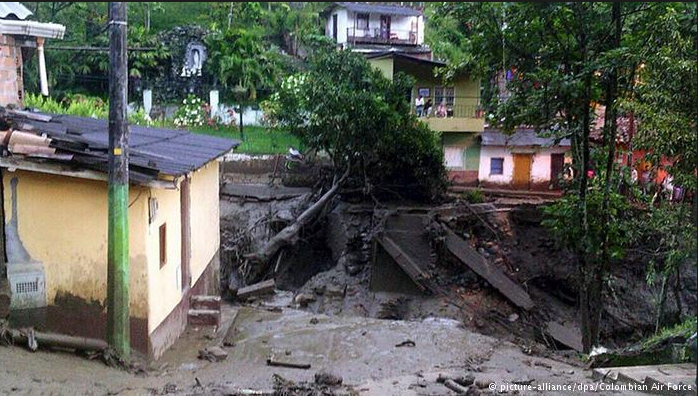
(329, 272)
(361, 350)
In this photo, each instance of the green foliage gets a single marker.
(560, 218)
(667, 236)
(76, 104)
(684, 329)
(361, 120)
(192, 112)
(241, 62)
(474, 196)
(667, 93)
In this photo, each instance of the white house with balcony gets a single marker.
(372, 27)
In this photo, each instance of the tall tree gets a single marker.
(562, 59)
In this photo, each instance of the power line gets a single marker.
(100, 49)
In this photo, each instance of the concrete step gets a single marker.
(204, 317)
(205, 302)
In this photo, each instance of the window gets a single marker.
(453, 157)
(496, 166)
(444, 93)
(362, 21)
(163, 245)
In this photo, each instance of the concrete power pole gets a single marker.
(118, 259)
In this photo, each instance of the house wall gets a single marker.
(205, 216)
(468, 145)
(342, 24)
(466, 90)
(540, 164)
(385, 65)
(168, 316)
(401, 25)
(465, 103)
(62, 223)
(11, 69)
(164, 283)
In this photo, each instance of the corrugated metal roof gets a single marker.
(152, 151)
(9, 9)
(520, 137)
(380, 9)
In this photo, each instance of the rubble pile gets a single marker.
(494, 268)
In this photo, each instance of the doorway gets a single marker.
(557, 163)
(334, 27)
(522, 171)
(385, 27)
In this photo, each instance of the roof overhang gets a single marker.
(402, 56)
(64, 170)
(32, 28)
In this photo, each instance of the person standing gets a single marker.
(419, 105)
(427, 108)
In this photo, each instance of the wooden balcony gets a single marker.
(458, 118)
(377, 36)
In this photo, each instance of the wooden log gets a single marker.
(52, 340)
(232, 391)
(258, 289)
(260, 261)
(453, 385)
(273, 362)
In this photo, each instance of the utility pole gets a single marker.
(118, 260)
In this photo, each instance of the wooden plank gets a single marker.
(185, 230)
(31, 116)
(569, 335)
(420, 278)
(278, 363)
(257, 289)
(496, 277)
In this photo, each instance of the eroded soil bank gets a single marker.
(329, 271)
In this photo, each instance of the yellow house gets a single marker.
(460, 119)
(54, 186)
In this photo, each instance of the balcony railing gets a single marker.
(381, 36)
(454, 111)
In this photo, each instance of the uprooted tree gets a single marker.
(343, 108)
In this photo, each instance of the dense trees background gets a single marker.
(252, 45)
(564, 59)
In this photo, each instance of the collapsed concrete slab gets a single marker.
(496, 277)
(406, 242)
(568, 335)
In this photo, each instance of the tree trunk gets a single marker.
(660, 304)
(610, 130)
(586, 298)
(259, 262)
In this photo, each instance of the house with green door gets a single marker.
(455, 109)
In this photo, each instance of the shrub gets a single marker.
(474, 196)
(191, 113)
(363, 121)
